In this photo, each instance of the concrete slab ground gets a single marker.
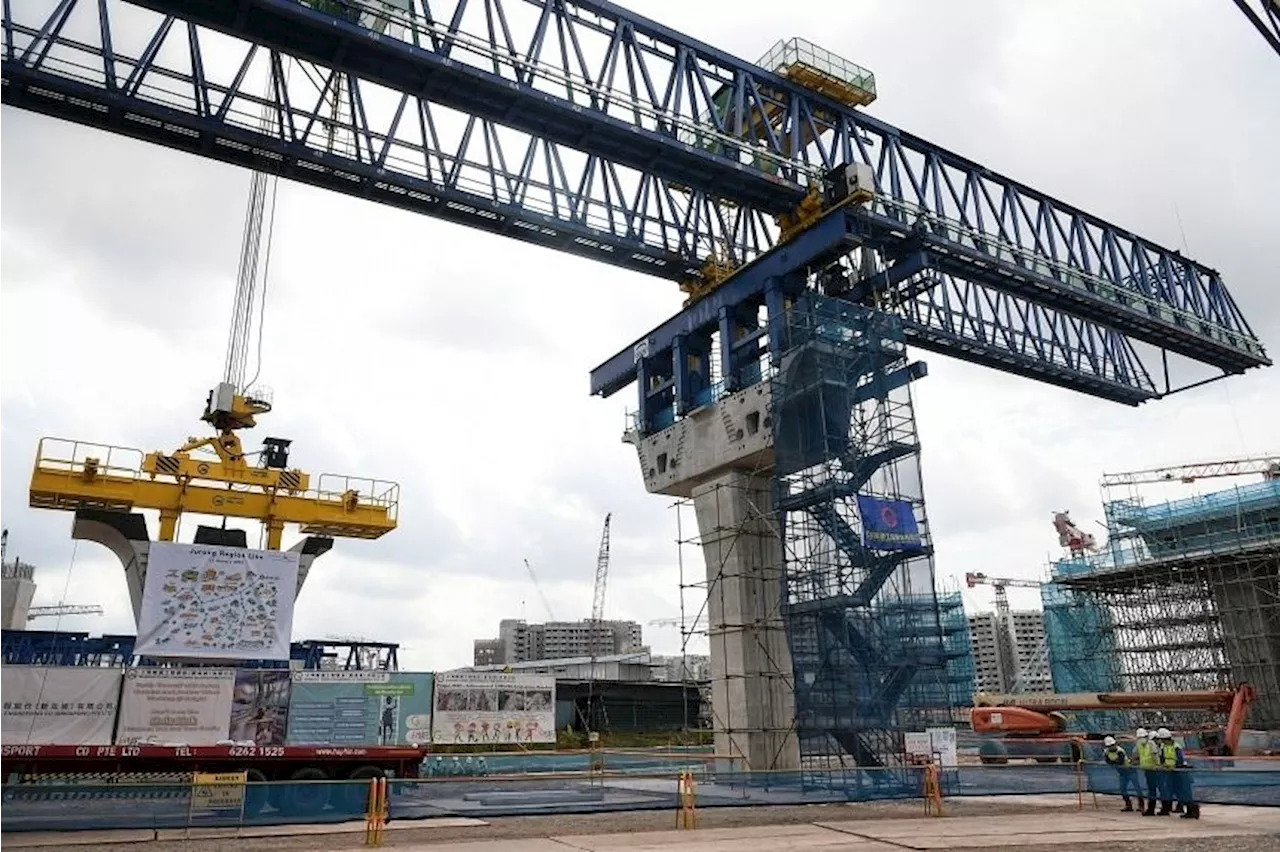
(894, 835)
(44, 839)
(1031, 823)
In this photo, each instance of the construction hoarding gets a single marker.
(360, 708)
(176, 706)
(219, 603)
(494, 707)
(47, 705)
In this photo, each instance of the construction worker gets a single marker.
(1177, 777)
(1115, 756)
(1144, 753)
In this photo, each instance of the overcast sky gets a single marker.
(456, 362)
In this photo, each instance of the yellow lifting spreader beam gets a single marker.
(72, 475)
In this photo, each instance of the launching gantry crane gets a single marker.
(214, 475)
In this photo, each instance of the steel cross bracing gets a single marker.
(586, 128)
(1265, 18)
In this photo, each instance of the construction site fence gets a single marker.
(50, 805)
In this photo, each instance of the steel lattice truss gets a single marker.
(1267, 465)
(583, 127)
(1265, 17)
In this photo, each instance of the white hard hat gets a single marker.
(1142, 734)
(1163, 734)
(1109, 741)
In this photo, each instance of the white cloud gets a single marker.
(455, 362)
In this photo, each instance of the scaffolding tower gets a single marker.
(860, 608)
(1184, 595)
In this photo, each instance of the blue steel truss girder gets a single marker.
(662, 215)
(439, 195)
(1265, 19)
(918, 178)
(433, 70)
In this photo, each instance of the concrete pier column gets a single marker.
(721, 456)
(18, 590)
(752, 695)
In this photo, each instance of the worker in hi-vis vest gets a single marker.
(1144, 754)
(1115, 756)
(1177, 776)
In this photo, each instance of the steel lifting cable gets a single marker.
(261, 186)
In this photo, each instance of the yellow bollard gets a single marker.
(932, 790)
(376, 818)
(687, 815)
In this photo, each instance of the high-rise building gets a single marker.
(1010, 656)
(521, 642)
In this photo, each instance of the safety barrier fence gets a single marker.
(697, 785)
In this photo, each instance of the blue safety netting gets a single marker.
(1220, 781)
(36, 807)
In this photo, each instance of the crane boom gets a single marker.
(1040, 714)
(63, 609)
(1268, 466)
(545, 603)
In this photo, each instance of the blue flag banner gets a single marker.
(888, 524)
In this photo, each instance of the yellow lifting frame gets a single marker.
(76, 479)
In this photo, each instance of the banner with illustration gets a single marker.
(366, 708)
(47, 705)
(494, 707)
(220, 603)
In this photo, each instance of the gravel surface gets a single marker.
(637, 821)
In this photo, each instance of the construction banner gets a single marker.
(46, 705)
(888, 524)
(360, 708)
(219, 603)
(176, 706)
(494, 707)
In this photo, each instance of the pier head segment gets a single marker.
(126, 535)
(803, 466)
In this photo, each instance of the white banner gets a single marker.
(176, 706)
(220, 603)
(44, 705)
(494, 707)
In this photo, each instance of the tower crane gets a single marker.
(1268, 466)
(596, 627)
(1000, 584)
(1017, 673)
(57, 610)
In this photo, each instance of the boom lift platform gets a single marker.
(1038, 717)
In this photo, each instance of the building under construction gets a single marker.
(1184, 593)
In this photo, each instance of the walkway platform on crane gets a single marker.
(821, 71)
(72, 475)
